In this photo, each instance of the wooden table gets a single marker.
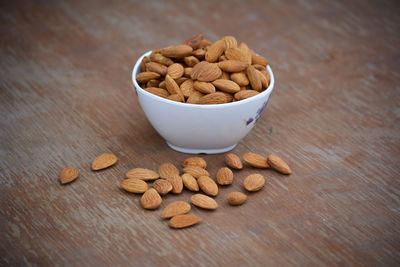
(66, 97)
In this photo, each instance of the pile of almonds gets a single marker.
(195, 177)
(201, 72)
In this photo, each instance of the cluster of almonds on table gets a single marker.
(201, 72)
(195, 177)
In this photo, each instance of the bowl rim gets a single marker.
(136, 68)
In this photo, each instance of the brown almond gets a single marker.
(204, 202)
(187, 87)
(157, 68)
(226, 86)
(167, 170)
(208, 185)
(211, 99)
(150, 200)
(184, 220)
(215, 51)
(204, 87)
(254, 79)
(194, 97)
(247, 52)
(134, 185)
(191, 60)
(224, 176)
(194, 161)
(243, 94)
(162, 186)
(256, 160)
(177, 184)
(175, 208)
(157, 57)
(254, 182)
(233, 161)
(199, 53)
(230, 41)
(152, 83)
(195, 171)
(194, 41)
(237, 54)
(264, 81)
(175, 97)
(236, 198)
(104, 161)
(223, 58)
(258, 67)
(181, 80)
(240, 78)
(228, 96)
(205, 43)
(190, 182)
(232, 65)
(224, 76)
(68, 175)
(187, 72)
(162, 85)
(157, 91)
(267, 77)
(205, 72)
(142, 174)
(255, 59)
(173, 87)
(278, 164)
(175, 71)
(177, 51)
(143, 64)
(146, 76)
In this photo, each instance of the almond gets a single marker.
(162, 85)
(205, 43)
(267, 76)
(230, 41)
(224, 176)
(167, 170)
(256, 160)
(142, 174)
(206, 72)
(162, 186)
(208, 185)
(254, 182)
(278, 164)
(258, 67)
(232, 65)
(228, 96)
(187, 87)
(195, 171)
(184, 220)
(211, 99)
(233, 161)
(175, 71)
(143, 64)
(190, 182)
(187, 72)
(199, 53)
(150, 200)
(175, 208)
(264, 81)
(194, 41)
(223, 58)
(157, 57)
(237, 54)
(236, 198)
(157, 91)
(255, 59)
(177, 184)
(173, 87)
(152, 83)
(215, 51)
(174, 97)
(134, 185)
(194, 97)
(204, 202)
(247, 52)
(68, 175)
(191, 60)
(224, 75)
(226, 85)
(254, 79)
(104, 161)
(181, 80)
(157, 68)
(177, 51)
(194, 161)
(204, 87)
(240, 78)
(146, 76)
(243, 94)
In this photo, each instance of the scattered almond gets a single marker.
(204, 202)
(167, 170)
(224, 176)
(68, 175)
(255, 160)
(190, 182)
(194, 161)
(195, 171)
(184, 220)
(134, 185)
(142, 174)
(254, 182)
(175, 208)
(177, 183)
(236, 198)
(278, 164)
(208, 185)
(162, 186)
(104, 161)
(233, 161)
(150, 200)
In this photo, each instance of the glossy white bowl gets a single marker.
(195, 129)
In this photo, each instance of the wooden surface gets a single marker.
(66, 97)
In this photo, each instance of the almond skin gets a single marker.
(236, 53)
(215, 51)
(254, 78)
(176, 71)
(254, 182)
(194, 161)
(162, 186)
(134, 185)
(167, 170)
(187, 87)
(232, 65)
(224, 176)
(230, 41)
(150, 200)
(240, 78)
(206, 72)
(278, 164)
(212, 99)
(173, 87)
(157, 68)
(204, 202)
(208, 185)
(177, 184)
(243, 94)
(142, 174)
(178, 51)
(236, 198)
(204, 87)
(195, 171)
(184, 220)
(233, 161)
(104, 161)
(146, 76)
(190, 182)
(68, 175)
(256, 160)
(226, 85)
(175, 208)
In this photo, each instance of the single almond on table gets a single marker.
(134, 185)
(226, 85)
(208, 185)
(162, 186)
(157, 91)
(256, 160)
(194, 161)
(232, 65)
(236, 198)
(146, 76)
(184, 220)
(151, 200)
(204, 202)
(254, 182)
(175, 70)
(104, 161)
(215, 51)
(190, 182)
(278, 164)
(167, 170)
(212, 99)
(157, 68)
(175, 208)
(233, 161)
(177, 183)
(68, 175)
(206, 72)
(224, 176)
(204, 87)
(243, 94)
(195, 171)
(142, 174)
(177, 51)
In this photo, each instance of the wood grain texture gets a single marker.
(334, 116)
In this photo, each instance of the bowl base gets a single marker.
(201, 150)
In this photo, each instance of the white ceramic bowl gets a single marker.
(195, 129)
